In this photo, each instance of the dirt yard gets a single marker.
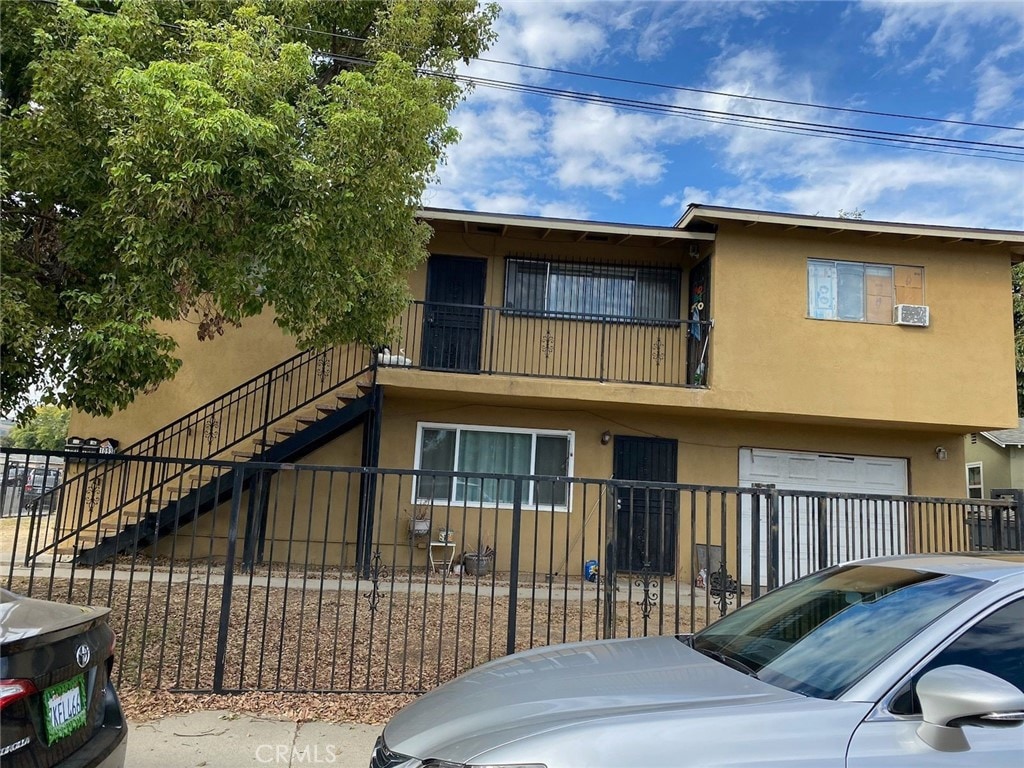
(323, 636)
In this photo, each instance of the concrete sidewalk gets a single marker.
(227, 740)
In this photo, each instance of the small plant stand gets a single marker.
(445, 554)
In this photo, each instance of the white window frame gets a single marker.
(835, 265)
(570, 435)
(981, 478)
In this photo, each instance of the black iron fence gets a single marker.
(495, 340)
(314, 578)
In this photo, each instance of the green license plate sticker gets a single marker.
(64, 709)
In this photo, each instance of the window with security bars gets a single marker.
(860, 292)
(629, 293)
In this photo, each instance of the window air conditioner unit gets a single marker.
(910, 314)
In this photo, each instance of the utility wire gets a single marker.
(989, 150)
(875, 137)
(688, 89)
(934, 149)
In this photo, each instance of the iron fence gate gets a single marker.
(282, 577)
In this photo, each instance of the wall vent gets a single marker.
(910, 314)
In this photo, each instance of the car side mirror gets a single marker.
(954, 696)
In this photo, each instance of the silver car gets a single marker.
(898, 662)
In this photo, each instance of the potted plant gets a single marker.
(419, 521)
(478, 563)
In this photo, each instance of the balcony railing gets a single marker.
(468, 338)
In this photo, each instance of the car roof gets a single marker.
(990, 566)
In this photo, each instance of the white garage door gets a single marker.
(812, 531)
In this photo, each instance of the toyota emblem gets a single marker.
(83, 655)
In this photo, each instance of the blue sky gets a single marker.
(956, 61)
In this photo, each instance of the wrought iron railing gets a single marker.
(349, 596)
(471, 338)
(250, 411)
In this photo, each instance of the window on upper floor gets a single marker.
(636, 293)
(975, 486)
(483, 451)
(860, 292)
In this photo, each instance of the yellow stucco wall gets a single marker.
(323, 509)
(778, 380)
(209, 369)
(769, 357)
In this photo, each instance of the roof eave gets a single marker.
(565, 225)
(1012, 238)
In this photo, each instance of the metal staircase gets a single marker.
(152, 488)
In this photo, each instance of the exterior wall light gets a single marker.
(606, 437)
(941, 454)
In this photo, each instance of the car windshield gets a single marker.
(821, 634)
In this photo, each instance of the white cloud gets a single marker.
(565, 159)
(547, 34)
(603, 148)
(780, 171)
(666, 20)
(997, 89)
(949, 28)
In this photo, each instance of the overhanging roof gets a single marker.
(539, 226)
(1005, 438)
(713, 214)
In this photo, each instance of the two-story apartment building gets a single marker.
(733, 349)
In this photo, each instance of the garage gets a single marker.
(849, 528)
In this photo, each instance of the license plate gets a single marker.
(64, 708)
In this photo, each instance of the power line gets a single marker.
(939, 144)
(874, 137)
(702, 91)
(934, 149)
(763, 99)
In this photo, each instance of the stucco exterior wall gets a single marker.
(770, 357)
(767, 358)
(1001, 467)
(778, 380)
(209, 369)
(324, 510)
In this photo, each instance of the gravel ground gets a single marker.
(325, 636)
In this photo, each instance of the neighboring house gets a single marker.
(994, 461)
(736, 348)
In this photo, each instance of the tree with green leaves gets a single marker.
(210, 159)
(47, 430)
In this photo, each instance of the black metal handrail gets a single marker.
(471, 338)
(244, 412)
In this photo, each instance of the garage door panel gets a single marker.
(840, 472)
(802, 468)
(886, 474)
(816, 529)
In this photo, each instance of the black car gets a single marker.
(40, 485)
(58, 707)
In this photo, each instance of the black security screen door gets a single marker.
(453, 316)
(646, 517)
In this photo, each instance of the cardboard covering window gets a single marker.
(847, 290)
(909, 283)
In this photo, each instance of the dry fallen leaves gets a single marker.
(311, 636)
